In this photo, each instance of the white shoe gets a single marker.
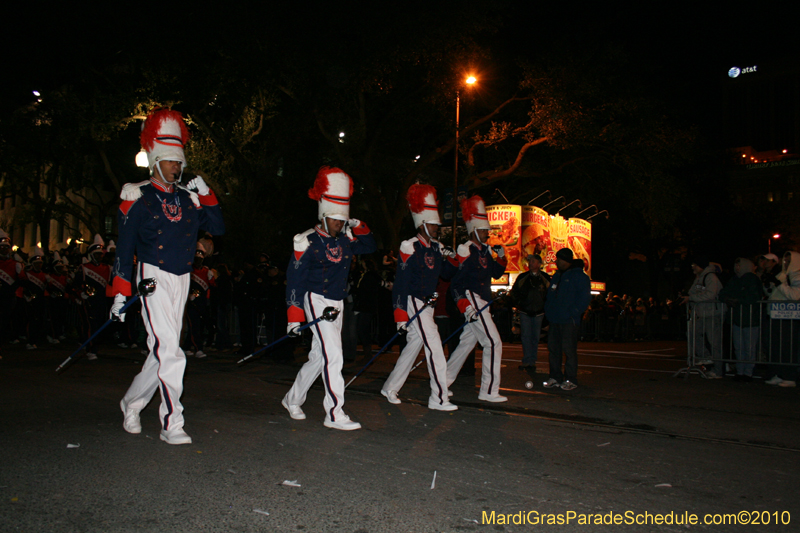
(705, 362)
(131, 424)
(62, 337)
(787, 383)
(51, 340)
(188, 353)
(91, 356)
(175, 436)
(145, 352)
(775, 380)
(391, 395)
(294, 410)
(446, 406)
(30, 346)
(344, 423)
(133, 346)
(551, 383)
(122, 345)
(492, 398)
(199, 354)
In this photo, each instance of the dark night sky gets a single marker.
(683, 53)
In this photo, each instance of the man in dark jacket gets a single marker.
(742, 294)
(528, 295)
(567, 299)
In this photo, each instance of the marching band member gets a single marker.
(94, 279)
(317, 278)
(159, 221)
(201, 281)
(12, 274)
(472, 291)
(418, 269)
(34, 294)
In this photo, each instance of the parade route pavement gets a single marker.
(631, 444)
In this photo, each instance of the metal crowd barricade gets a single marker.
(763, 333)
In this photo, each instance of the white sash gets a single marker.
(6, 277)
(36, 281)
(200, 281)
(95, 276)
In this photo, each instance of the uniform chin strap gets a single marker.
(425, 225)
(325, 225)
(166, 183)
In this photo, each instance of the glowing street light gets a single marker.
(470, 81)
(141, 159)
(775, 236)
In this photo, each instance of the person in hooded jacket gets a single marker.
(742, 294)
(784, 342)
(706, 317)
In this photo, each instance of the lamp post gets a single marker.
(776, 236)
(469, 81)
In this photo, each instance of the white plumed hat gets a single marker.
(423, 204)
(164, 134)
(474, 212)
(332, 190)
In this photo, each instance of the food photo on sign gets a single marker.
(505, 222)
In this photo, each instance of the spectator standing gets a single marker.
(567, 299)
(784, 340)
(706, 317)
(742, 294)
(528, 296)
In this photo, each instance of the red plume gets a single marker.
(469, 207)
(321, 183)
(416, 196)
(152, 127)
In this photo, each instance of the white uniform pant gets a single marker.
(325, 358)
(484, 331)
(162, 313)
(422, 332)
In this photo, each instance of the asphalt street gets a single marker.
(632, 443)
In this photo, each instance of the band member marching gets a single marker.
(58, 299)
(418, 269)
(202, 279)
(472, 291)
(35, 289)
(317, 278)
(12, 275)
(159, 221)
(94, 279)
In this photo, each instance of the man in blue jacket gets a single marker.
(567, 300)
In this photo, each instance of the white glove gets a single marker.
(470, 315)
(499, 250)
(448, 252)
(84, 296)
(353, 222)
(402, 328)
(292, 329)
(119, 303)
(197, 184)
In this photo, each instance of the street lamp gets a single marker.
(469, 81)
(141, 159)
(776, 236)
